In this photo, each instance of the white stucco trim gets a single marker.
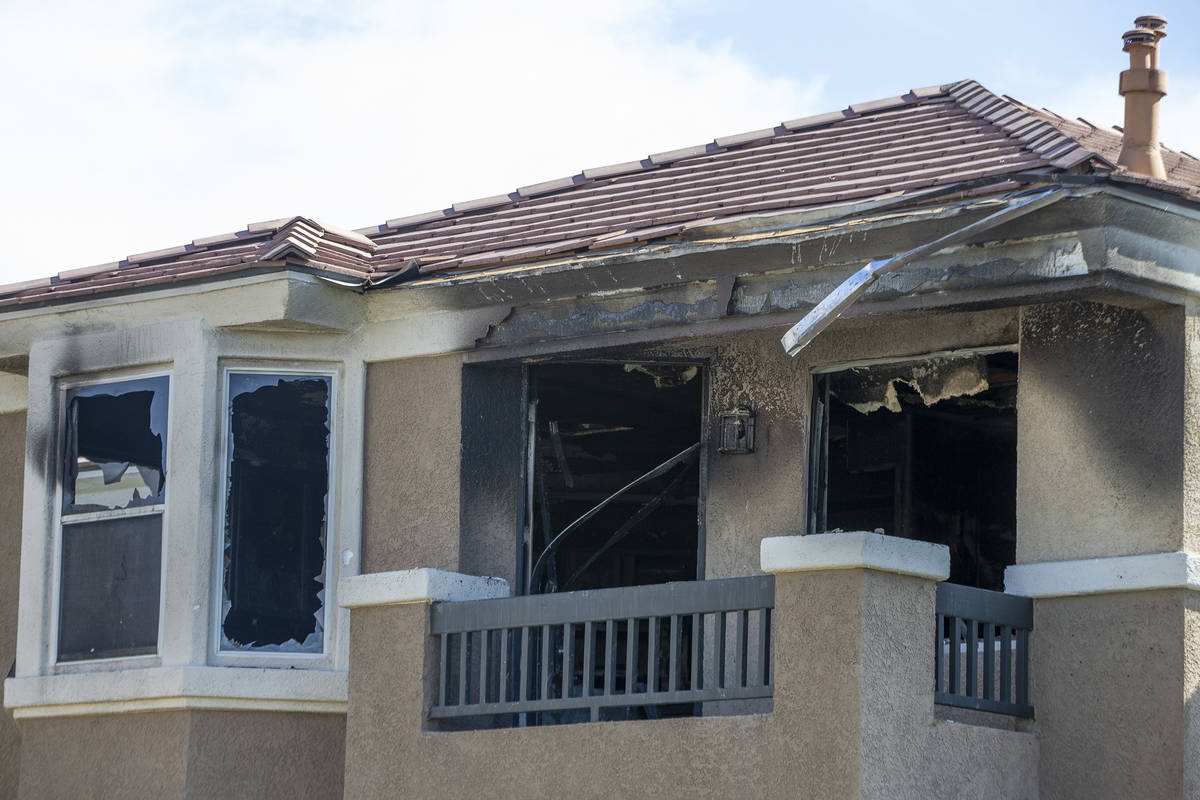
(176, 688)
(1176, 570)
(421, 585)
(855, 550)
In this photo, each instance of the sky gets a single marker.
(132, 125)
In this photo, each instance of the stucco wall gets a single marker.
(411, 446)
(131, 756)
(265, 755)
(1100, 432)
(1108, 682)
(184, 754)
(12, 471)
(853, 718)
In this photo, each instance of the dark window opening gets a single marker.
(113, 489)
(116, 443)
(614, 486)
(923, 450)
(275, 515)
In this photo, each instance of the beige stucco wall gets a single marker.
(131, 756)
(1108, 679)
(411, 459)
(12, 471)
(183, 754)
(1100, 432)
(265, 755)
(853, 717)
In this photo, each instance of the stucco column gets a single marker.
(393, 662)
(1106, 521)
(854, 629)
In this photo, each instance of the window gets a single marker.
(277, 445)
(924, 450)
(113, 499)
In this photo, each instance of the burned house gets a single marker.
(849, 457)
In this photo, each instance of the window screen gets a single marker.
(110, 588)
(276, 506)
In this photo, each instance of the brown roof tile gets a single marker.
(897, 147)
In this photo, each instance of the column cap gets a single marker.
(855, 550)
(1171, 570)
(422, 585)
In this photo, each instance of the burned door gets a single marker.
(613, 487)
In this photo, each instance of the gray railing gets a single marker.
(982, 646)
(629, 653)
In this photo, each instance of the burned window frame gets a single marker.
(64, 518)
(269, 655)
(817, 463)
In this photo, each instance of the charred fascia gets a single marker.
(690, 282)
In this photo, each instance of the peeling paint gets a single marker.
(867, 389)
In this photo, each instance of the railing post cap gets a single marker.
(855, 550)
(422, 585)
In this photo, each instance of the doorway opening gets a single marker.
(613, 488)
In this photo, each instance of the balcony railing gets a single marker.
(982, 646)
(606, 654)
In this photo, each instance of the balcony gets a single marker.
(824, 683)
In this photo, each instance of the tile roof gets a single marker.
(899, 147)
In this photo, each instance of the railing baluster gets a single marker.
(589, 658)
(485, 642)
(720, 665)
(743, 644)
(631, 648)
(610, 654)
(568, 673)
(1006, 664)
(989, 661)
(673, 658)
(523, 692)
(1022, 666)
(651, 654)
(952, 661)
(972, 658)
(764, 645)
(463, 667)
(694, 661)
(544, 694)
(502, 692)
(444, 661)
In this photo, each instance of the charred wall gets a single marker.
(1100, 427)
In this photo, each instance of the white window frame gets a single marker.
(62, 388)
(325, 657)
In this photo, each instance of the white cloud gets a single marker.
(134, 125)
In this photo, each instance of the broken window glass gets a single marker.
(275, 514)
(114, 485)
(924, 450)
(116, 443)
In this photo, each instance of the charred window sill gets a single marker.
(177, 688)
